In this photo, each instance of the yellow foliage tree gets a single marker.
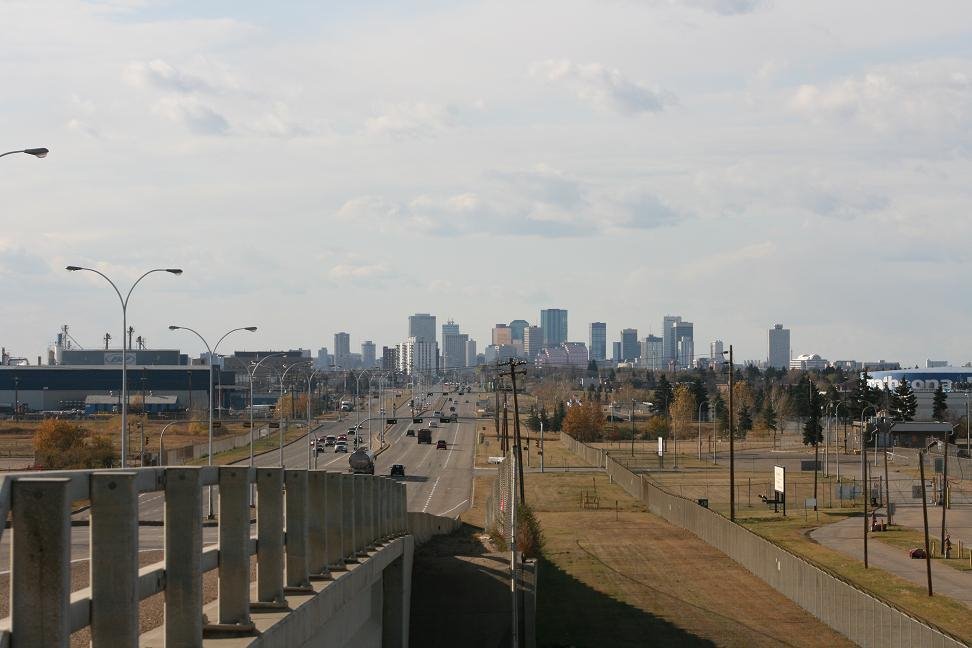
(683, 407)
(60, 445)
(584, 421)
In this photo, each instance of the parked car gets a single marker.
(441, 445)
(397, 470)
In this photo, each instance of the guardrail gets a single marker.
(331, 519)
(856, 614)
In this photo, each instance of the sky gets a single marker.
(317, 167)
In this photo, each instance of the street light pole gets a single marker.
(212, 352)
(864, 466)
(280, 434)
(700, 429)
(36, 152)
(124, 306)
(252, 376)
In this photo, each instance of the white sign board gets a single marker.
(779, 479)
(661, 446)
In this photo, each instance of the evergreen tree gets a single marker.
(592, 367)
(939, 404)
(862, 396)
(801, 396)
(701, 397)
(558, 418)
(745, 421)
(533, 420)
(904, 403)
(664, 394)
(812, 429)
(769, 415)
(721, 413)
(545, 419)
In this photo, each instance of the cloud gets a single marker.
(727, 7)
(931, 98)
(278, 123)
(412, 120)
(362, 275)
(15, 260)
(193, 114)
(604, 87)
(163, 76)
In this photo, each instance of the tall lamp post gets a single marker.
(36, 152)
(732, 446)
(212, 352)
(124, 306)
(281, 413)
(252, 372)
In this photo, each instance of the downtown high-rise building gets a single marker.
(684, 344)
(342, 349)
(368, 351)
(629, 345)
(616, 351)
(517, 327)
(421, 326)
(453, 346)
(502, 335)
(669, 352)
(652, 353)
(553, 321)
(389, 358)
(532, 341)
(716, 347)
(471, 353)
(418, 356)
(779, 347)
(597, 342)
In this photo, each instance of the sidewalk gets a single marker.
(847, 537)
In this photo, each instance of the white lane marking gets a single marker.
(454, 507)
(431, 493)
(452, 447)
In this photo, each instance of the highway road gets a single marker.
(437, 481)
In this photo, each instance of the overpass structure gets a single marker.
(333, 554)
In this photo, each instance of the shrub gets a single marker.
(529, 535)
(61, 445)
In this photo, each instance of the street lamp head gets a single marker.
(37, 152)
(249, 328)
(73, 268)
(173, 327)
(175, 271)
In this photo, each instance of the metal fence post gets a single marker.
(113, 567)
(40, 571)
(316, 520)
(183, 557)
(269, 538)
(234, 547)
(296, 549)
(334, 513)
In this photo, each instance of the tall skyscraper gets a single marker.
(342, 348)
(616, 351)
(471, 353)
(368, 351)
(715, 352)
(668, 336)
(323, 359)
(629, 345)
(449, 328)
(597, 345)
(417, 356)
(517, 327)
(532, 341)
(684, 344)
(453, 346)
(421, 326)
(502, 334)
(389, 358)
(779, 347)
(553, 321)
(652, 353)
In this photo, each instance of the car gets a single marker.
(341, 447)
(351, 431)
(437, 413)
(452, 409)
(441, 445)
(397, 470)
(342, 438)
(410, 432)
(330, 440)
(433, 424)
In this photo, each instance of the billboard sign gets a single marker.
(779, 479)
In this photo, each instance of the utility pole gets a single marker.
(517, 442)
(505, 439)
(732, 447)
(864, 465)
(887, 484)
(632, 426)
(107, 339)
(924, 513)
(816, 447)
(944, 491)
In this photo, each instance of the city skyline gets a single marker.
(604, 173)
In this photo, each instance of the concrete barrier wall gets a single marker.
(857, 615)
(424, 526)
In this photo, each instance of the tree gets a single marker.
(745, 421)
(862, 396)
(768, 415)
(544, 419)
(742, 396)
(701, 395)
(939, 404)
(584, 421)
(783, 405)
(812, 428)
(557, 420)
(664, 395)
(533, 420)
(904, 403)
(683, 407)
(60, 445)
(592, 367)
(721, 413)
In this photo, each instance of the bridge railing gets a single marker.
(308, 523)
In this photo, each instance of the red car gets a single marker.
(441, 445)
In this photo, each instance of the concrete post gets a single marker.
(316, 519)
(394, 605)
(40, 571)
(349, 517)
(113, 536)
(362, 503)
(297, 579)
(386, 508)
(334, 513)
(404, 500)
(380, 509)
(234, 546)
(269, 538)
(183, 557)
(372, 517)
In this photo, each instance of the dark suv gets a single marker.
(397, 470)
(441, 445)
